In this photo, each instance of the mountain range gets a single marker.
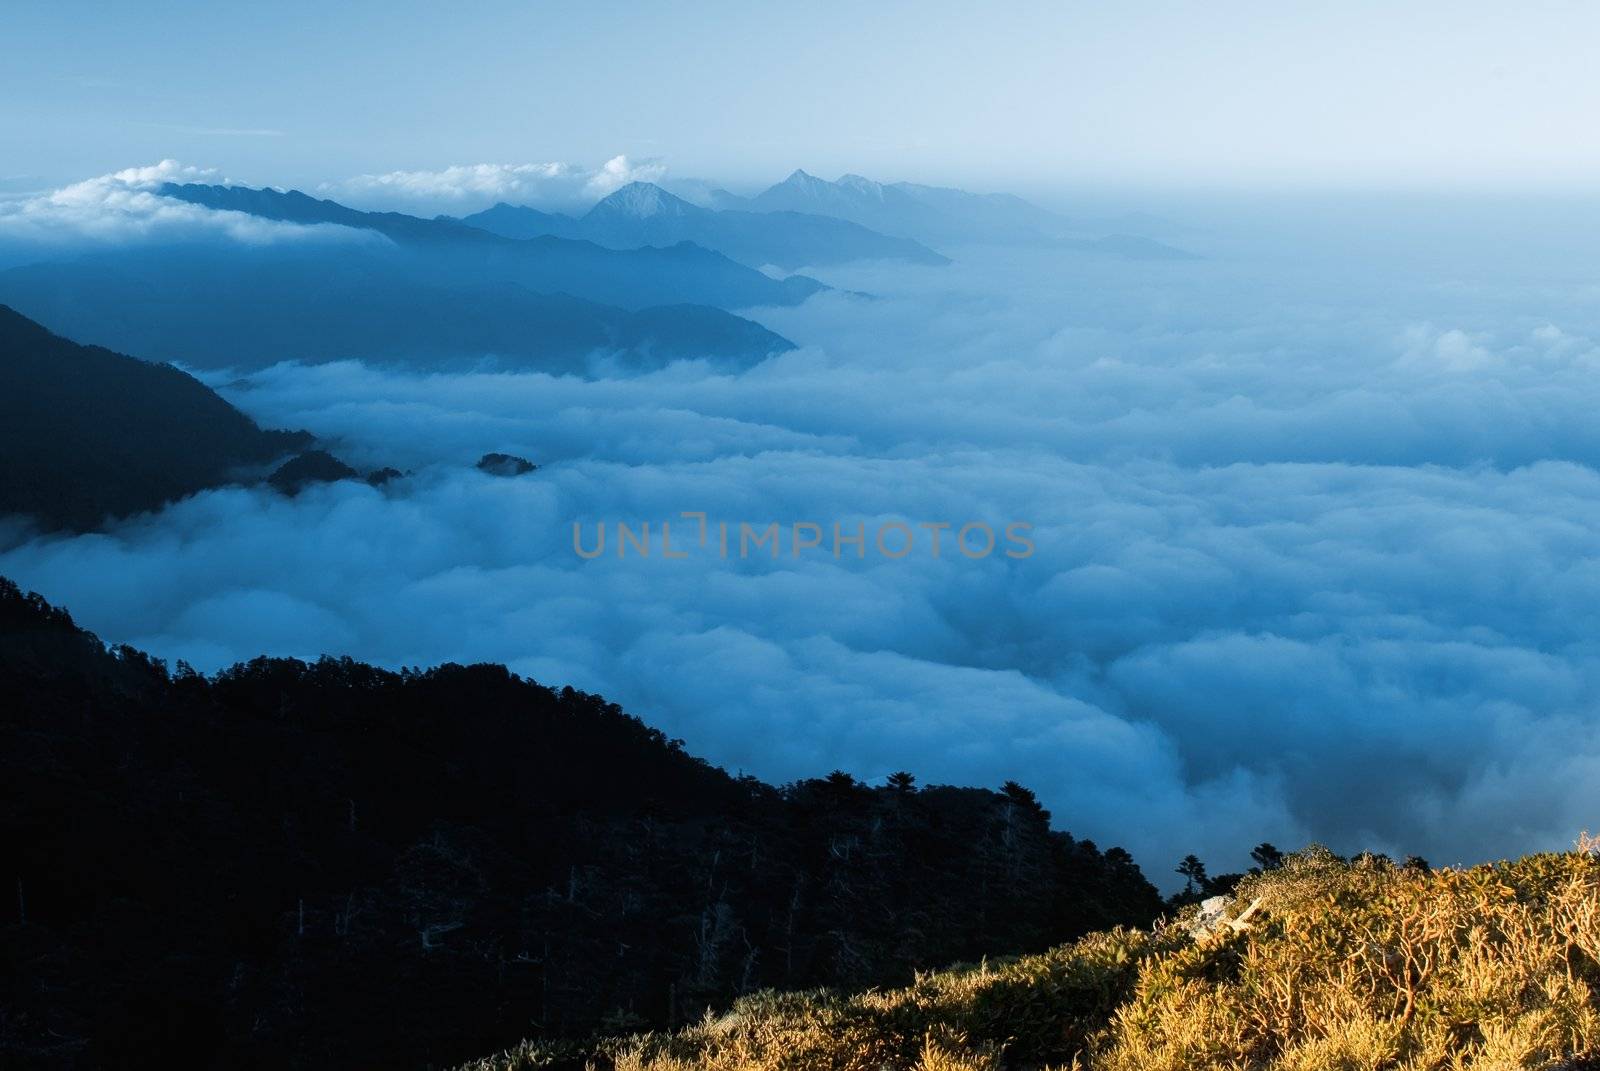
(644, 214)
(86, 433)
(908, 209)
(630, 278)
(421, 292)
(642, 279)
(936, 214)
(254, 306)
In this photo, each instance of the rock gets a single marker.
(313, 466)
(505, 465)
(382, 476)
(1213, 916)
(1213, 911)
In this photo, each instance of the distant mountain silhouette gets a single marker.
(683, 273)
(332, 865)
(643, 214)
(86, 433)
(522, 222)
(912, 210)
(939, 214)
(249, 306)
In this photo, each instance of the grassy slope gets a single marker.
(1341, 966)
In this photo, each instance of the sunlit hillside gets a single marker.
(1320, 964)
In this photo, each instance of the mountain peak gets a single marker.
(805, 182)
(860, 184)
(642, 200)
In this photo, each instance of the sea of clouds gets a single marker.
(1317, 523)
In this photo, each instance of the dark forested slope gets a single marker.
(250, 308)
(86, 433)
(334, 865)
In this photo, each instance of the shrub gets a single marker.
(1341, 965)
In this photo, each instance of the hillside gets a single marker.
(1320, 965)
(86, 433)
(333, 865)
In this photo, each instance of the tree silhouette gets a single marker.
(1266, 857)
(902, 782)
(1194, 873)
(1024, 798)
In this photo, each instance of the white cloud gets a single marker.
(618, 171)
(124, 206)
(1451, 350)
(469, 187)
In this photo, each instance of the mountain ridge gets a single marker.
(682, 273)
(942, 214)
(232, 309)
(643, 214)
(87, 433)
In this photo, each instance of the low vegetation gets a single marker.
(1319, 963)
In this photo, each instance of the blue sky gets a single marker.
(1012, 96)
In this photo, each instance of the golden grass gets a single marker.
(1341, 966)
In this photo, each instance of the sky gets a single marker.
(1024, 97)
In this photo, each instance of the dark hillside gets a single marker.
(336, 865)
(86, 433)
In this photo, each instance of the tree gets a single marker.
(1194, 873)
(1222, 884)
(1023, 797)
(902, 782)
(1266, 857)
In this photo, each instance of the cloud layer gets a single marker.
(465, 188)
(1317, 532)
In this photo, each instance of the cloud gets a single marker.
(469, 187)
(618, 171)
(124, 207)
(1316, 547)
